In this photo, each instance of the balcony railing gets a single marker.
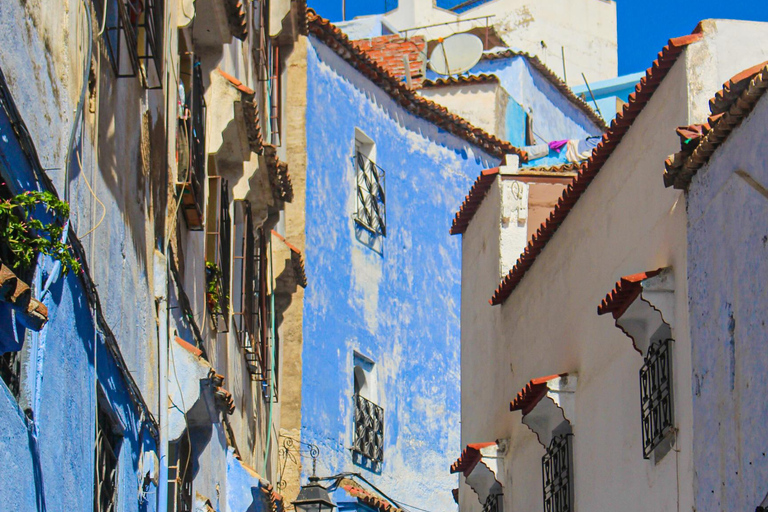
(369, 429)
(371, 213)
(556, 474)
(656, 396)
(191, 150)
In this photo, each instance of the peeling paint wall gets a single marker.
(728, 253)
(395, 301)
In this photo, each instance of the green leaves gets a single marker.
(213, 275)
(24, 235)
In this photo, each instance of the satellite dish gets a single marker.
(456, 54)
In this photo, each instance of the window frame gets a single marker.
(557, 474)
(657, 397)
(368, 429)
(107, 436)
(370, 187)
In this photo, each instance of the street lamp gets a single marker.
(313, 497)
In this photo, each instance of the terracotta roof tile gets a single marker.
(32, 313)
(296, 259)
(279, 178)
(460, 80)
(619, 126)
(250, 112)
(338, 42)
(370, 499)
(455, 493)
(276, 501)
(571, 168)
(189, 347)
(532, 393)
(469, 458)
(473, 200)
(237, 18)
(624, 293)
(729, 108)
(555, 80)
(388, 52)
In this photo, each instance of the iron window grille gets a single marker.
(369, 429)
(105, 469)
(493, 503)
(371, 211)
(217, 250)
(180, 476)
(556, 474)
(656, 396)
(10, 371)
(133, 29)
(191, 171)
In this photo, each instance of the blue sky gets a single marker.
(644, 25)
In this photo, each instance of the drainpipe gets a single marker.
(161, 296)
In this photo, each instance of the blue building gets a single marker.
(385, 170)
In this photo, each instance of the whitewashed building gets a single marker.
(578, 381)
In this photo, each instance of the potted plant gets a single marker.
(213, 277)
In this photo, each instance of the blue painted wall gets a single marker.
(397, 303)
(606, 92)
(51, 458)
(727, 270)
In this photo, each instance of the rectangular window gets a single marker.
(556, 474)
(371, 212)
(133, 33)
(217, 251)
(245, 313)
(191, 143)
(10, 371)
(656, 396)
(107, 456)
(369, 429)
(493, 503)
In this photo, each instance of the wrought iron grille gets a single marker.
(10, 371)
(371, 211)
(656, 396)
(107, 450)
(225, 247)
(120, 36)
(492, 503)
(556, 473)
(369, 429)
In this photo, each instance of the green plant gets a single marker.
(24, 235)
(213, 275)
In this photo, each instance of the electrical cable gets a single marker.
(81, 101)
(103, 208)
(103, 21)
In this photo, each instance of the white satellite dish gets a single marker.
(456, 54)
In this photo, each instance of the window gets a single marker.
(10, 371)
(134, 32)
(107, 455)
(191, 143)
(493, 503)
(656, 397)
(371, 213)
(217, 251)
(180, 475)
(556, 473)
(369, 418)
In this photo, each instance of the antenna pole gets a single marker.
(593, 96)
(343, 10)
(565, 76)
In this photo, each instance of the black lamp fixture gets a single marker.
(313, 497)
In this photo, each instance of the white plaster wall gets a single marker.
(727, 250)
(585, 28)
(483, 105)
(625, 223)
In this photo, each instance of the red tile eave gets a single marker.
(532, 393)
(370, 499)
(286, 242)
(338, 42)
(237, 84)
(619, 127)
(624, 293)
(460, 80)
(189, 347)
(473, 200)
(469, 458)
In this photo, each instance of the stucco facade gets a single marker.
(174, 171)
(625, 222)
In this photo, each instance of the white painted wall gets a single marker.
(586, 29)
(625, 223)
(483, 105)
